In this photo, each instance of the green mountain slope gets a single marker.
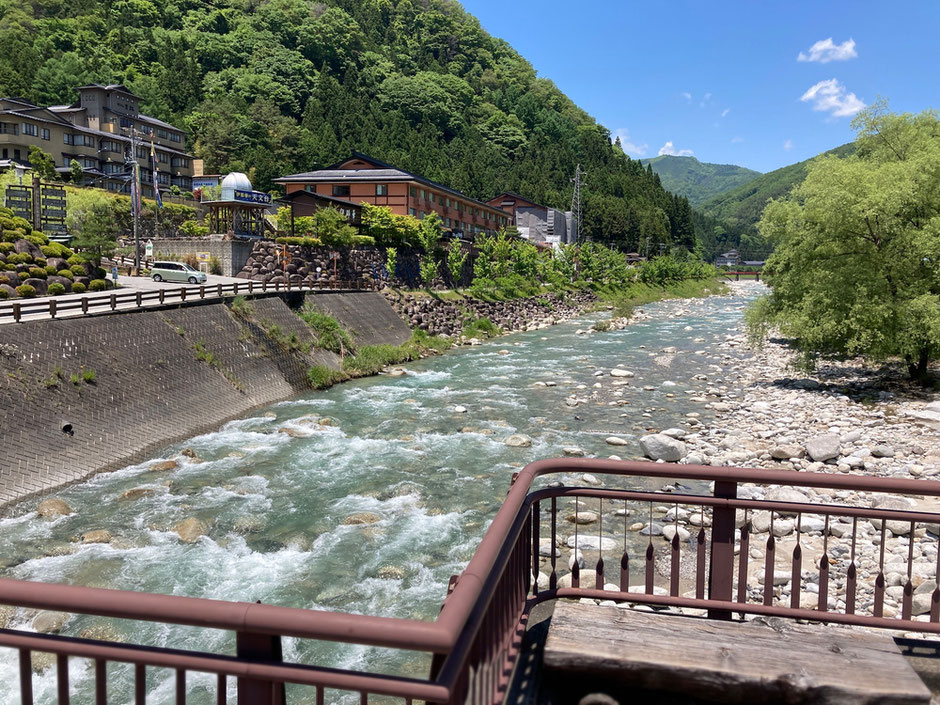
(742, 207)
(274, 87)
(698, 181)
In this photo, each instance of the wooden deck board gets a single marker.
(730, 662)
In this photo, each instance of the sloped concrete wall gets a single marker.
(158, 377)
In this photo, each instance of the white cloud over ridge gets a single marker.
(670, 149)
(831, 96)
(629, 146)
(825, 50)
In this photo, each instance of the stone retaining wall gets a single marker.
(159, 376)
(231, 254)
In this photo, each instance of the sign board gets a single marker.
(252, 196)
(148, 249)
(334, 255)
(52, 209)
(205, 181)
(202, 256)
(19, 199)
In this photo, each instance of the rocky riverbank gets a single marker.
(448, 316)
(846, 418)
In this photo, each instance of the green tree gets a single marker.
(95, 229)
(76, 172)
(856, 270)
(456, 258)
(42, 162)
(430, 235)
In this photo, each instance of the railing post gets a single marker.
(113, 301)
(721, 567)
(220, 291)
(182, 293)
(85, 304)
(161, 296)
(52, 308)
(202, 291)
(259, 647)
(251, 286)
(140, 299)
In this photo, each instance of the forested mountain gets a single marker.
(742, 207)
(279, 86)
(698, 181)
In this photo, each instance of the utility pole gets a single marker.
(136, 198)
(579, 176)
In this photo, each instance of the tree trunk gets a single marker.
(918, 370)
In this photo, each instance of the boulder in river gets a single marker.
(361, 519)
(47, 622)
(617, 441)
(51, 508)
(658, 446)
(97, 536)
(518, 440)
(190, 529)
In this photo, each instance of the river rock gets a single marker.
(518, 440)
(823, 448)
(164, 466)
(547, 547)
(362, 518)
(391, 572)
(50, 508)
(787, 451)
(136, 493)
(658, 446)
(882, 451)
(190, 529)
(670, 530)
(47, 622)
(616, 441)
(460, 409)
(572, 451)
(97, 536)
(582, 518)
(588, 542)
(617, 372)
(586, 579)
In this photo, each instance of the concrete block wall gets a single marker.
(232, 254)
(150, 386)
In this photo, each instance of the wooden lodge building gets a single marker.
(362, 179)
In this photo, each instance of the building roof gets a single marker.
(289, 198)
(513, 194)
(380, 171)
(116, 87)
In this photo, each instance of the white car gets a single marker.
(176, 272)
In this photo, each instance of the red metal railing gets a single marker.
(129, 300)
(475, 639)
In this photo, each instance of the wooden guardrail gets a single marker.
(130, 300)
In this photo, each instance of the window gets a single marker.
(381, 190)
(176, 137)
(163, 157)
(340, 190)
(180, 162)
(163, 134)
(88, 163)
(30, 129)
(16, 155)
(113, 168)
(411, 211)
(126, 122)
(433, 198)
(423, 194)
(44, 133)
(413, 191)
(143, 153)
(9, 128)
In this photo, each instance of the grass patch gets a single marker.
(482, 328)
(204, 355)
(323, 377)
(329, 333)
(372, 359)
(242, 308)
(88, 376)
(625, 299)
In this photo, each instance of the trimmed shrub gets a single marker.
(11, 235)
(26, 291)
(17, 258)
(6, 247)
(362, 240)
(23, 276)
(38, 239)
(56, 249)
(305, 241)
(39, 273)
(97, 285)
(78, 270)
(50, 270)
(4, 294)
(78, 288)
(55, 289)
(65, 273)
(76, 260)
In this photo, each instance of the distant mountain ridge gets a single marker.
(698, 181)
(742, 207)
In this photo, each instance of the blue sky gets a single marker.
(725, 80)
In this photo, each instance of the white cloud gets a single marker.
(670, 149)
(725, 112)
(686, 95)
(737, 139)
(831, 96)
(788, 145)
(629, 146)
(825, 50)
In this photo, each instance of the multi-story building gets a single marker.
(97, 131)
(533, 221)
(362, 179)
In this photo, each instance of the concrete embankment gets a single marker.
(79, 396)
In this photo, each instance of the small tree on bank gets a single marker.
(856, 270)
(42, 162)
(430, 234)
(76, 173)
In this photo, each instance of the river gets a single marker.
(274, 502)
